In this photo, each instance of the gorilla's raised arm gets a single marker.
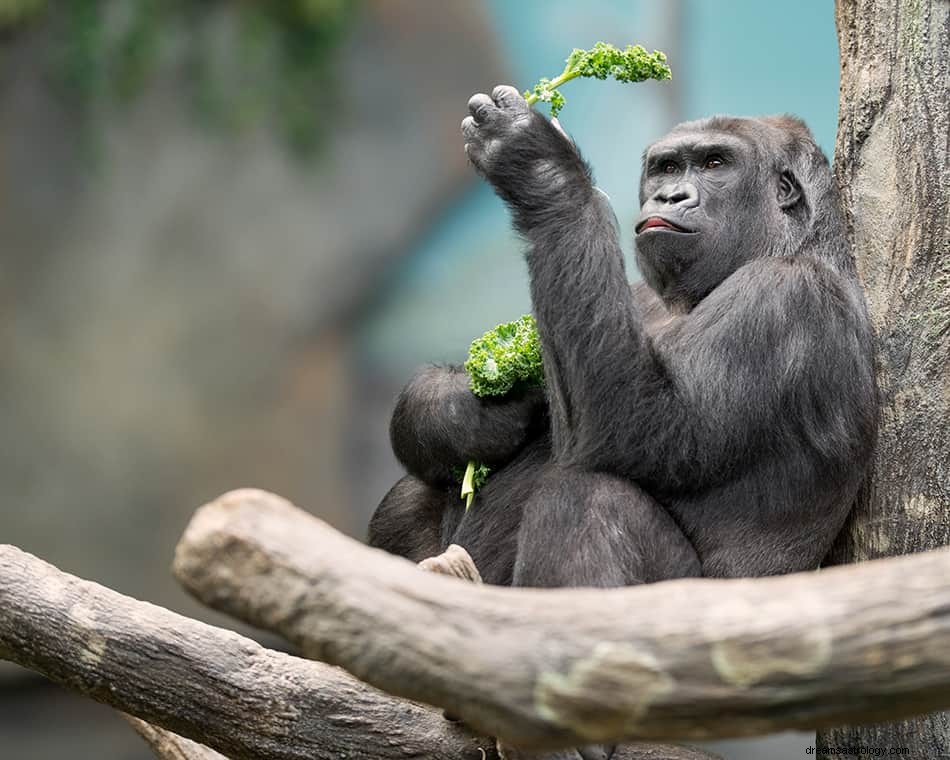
(582, 301)
(439, 424)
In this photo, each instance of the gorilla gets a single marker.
(715, 419)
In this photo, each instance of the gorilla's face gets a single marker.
(708, 204)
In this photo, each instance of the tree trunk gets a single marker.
(891, 161)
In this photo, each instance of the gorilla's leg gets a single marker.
(591, 529)
(582, 528)
(409, 521)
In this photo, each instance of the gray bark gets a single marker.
(215, 687)
(691, 659)
(204, 683)
(891, 160)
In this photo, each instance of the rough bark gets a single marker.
(216, 687)
(690, 659)
(891, 160)
(204, 683)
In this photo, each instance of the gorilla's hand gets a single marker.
(439, 424)
(495, 125)
(528, 160)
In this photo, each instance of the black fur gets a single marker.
(715, 420)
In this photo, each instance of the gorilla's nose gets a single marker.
(683, 194)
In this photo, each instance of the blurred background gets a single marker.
(230, 230)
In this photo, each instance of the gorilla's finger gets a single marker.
(481, 107)
(473, 153)
(506, 96)
(476, 157)
(469, 128)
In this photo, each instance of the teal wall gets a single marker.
(748, 58)
(743, 57)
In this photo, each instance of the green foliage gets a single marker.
(245, 62)
(633, 64)
(479, 474)
(472, 478)
(505, 357)
(545, 91)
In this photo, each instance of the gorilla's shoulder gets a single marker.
(790, 288)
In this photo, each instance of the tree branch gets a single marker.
(210, 685)
(216, 687)
(558, 668)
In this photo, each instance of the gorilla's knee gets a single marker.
(408, 521)
(592, 529)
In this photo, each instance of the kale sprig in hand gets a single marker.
(632, 64)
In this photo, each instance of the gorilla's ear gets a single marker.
(789, 191)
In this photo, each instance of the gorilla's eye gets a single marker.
(669, 167)
(713, 162)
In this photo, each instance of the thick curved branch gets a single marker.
(684, 659)
(210, 685)
(217, 687)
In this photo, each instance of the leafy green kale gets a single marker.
(501, 359)
(633, 64)
(472, 479)
(507, 356)
(478, 474)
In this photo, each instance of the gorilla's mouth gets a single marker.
(657, 223)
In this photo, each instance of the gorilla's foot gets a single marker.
(454, 561)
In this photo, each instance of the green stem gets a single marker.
(565, 76)
(468, 486)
